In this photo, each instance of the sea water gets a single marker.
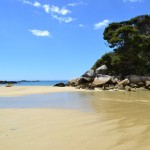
(40, 83)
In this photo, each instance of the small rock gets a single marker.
(147, 83)
(127, 88)
(124, 82)
(120, 87)
(60, 84)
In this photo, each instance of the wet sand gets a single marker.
(117, 121)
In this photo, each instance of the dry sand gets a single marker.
(28, 90)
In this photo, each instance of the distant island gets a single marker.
(126, 67)
(7, 82)
(15, 82)
(29, 81)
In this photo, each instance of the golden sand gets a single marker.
(52, 129)
(28, 90)
(120, 122)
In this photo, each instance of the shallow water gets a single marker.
(66, 100)
(130, 107)
(101, 102)
(133, 107)
(114, 105)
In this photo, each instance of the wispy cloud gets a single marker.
(40, 33)
(35, 4)
(76, 4)
(56, 12)
(81, 25)
(63, 19)
(27, 2)
(61, 11)
(132, 0)
(101, 24)
(56, 9)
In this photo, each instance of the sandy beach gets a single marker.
(28, 90)
(43, 129)
(119, 122)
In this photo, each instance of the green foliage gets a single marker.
(105, 59)
(130, 41)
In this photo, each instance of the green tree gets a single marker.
(130, 41)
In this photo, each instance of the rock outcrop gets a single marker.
(100, 80)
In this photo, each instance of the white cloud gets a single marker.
(37, 4)
(40, 33)
(101, 24)
(56, 9)
(61, 11)
(63, 19)
(56, 12)
(132, 0)
(46, 8)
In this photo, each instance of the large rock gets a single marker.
(136, 79)
(89, 75)
(145, 78)
(101, 80)
(102, 69)
(78, 81)
(82, 80)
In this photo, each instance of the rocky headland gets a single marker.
(99, 79)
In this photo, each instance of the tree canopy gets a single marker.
(130, 41)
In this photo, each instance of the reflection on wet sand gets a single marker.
(80, 121)
(129, 112)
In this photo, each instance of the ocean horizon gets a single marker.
(38, 83)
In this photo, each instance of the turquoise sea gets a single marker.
(40, 83)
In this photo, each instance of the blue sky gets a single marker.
(55, 39)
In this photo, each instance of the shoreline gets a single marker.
(31, 90)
